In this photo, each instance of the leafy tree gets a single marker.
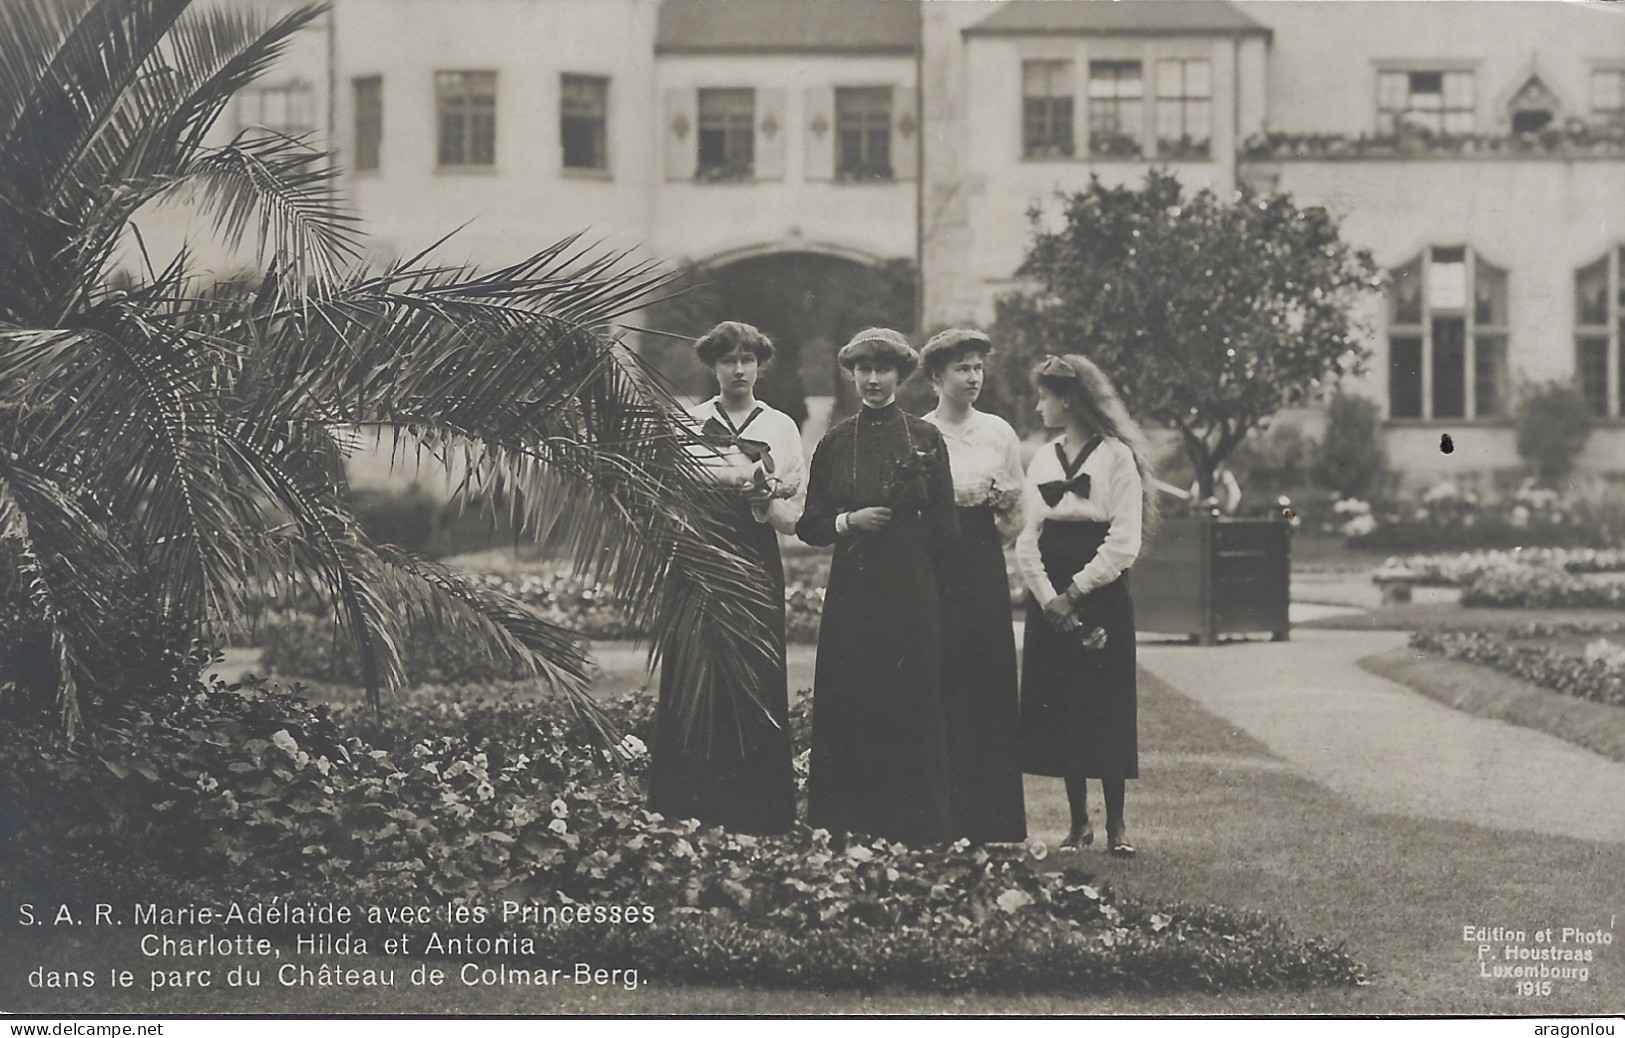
(1350, 457)
(1208, 315)
(1554, 422)
(175, 449)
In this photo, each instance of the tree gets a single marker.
(1209, 316)
(174, 448)
(1350, 458)
(1554, 422)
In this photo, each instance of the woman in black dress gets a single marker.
(1088, 498)
(731, 766)
(978, 641)
(881, 491)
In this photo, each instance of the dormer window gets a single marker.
(1533, 108)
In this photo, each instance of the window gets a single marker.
(369, 120)
(1115, 93)
(1533, 108)
(1447, 337)
(1184, 109)
(727, 134)
(583, 121)
(863, 133)
(1599, 333)
(467, 106)
(1608, 97)
(1046, 109)
(1437, 102)
(286, 108)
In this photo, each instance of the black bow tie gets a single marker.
(719, 435)
(1054, 490)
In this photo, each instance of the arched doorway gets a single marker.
(808, 303)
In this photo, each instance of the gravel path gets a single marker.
(1388, 748)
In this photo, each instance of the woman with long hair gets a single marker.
(1089, 499)
(880, 490)
(978, 641)
(732, 765)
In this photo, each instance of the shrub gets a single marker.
(406, 518)
(252, 794)
(1534, 587)
(1554, 422)
(1349, 458)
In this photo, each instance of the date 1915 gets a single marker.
(1534, 987)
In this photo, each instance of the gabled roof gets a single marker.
(1118, 18)
(788, 26)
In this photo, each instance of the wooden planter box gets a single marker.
(1207, 577)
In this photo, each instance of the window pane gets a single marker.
(1170, 79)
(1593, 368)
(1198, 79)
(1426, 83)
(1458, 90)
(1591, 293)
(1449, 367)
(1489, 294)
(369, 120)
(1405, 293)
(727, 142)
(1405, 377)
(1489, 375)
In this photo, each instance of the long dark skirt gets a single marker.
(979, 686)
(879, 755)
(1078, 705)
(736, 773)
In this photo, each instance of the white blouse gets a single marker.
(1114, 498)
(732, 467)
(985, 456)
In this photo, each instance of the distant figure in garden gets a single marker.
(724, 757)
(882, 492)
(979, 644)
(1088, 495)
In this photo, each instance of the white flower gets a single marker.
(558, 827)
(1013, 899)
(207, 783)
(559, 808)
(285, 742)
(484, 791)
(632, 747)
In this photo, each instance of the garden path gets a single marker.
(1391, 749)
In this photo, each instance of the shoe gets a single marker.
(1078, 836)
(1118, 846)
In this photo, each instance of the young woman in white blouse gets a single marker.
(978, 642)
(732, 766)
(1089, 498)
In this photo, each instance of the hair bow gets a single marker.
(717, 434)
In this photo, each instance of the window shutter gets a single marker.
(820, 136)
(770, 134)
(905, 134)
(681, 133)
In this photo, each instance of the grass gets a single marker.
(1218, 819)
(1449, 616)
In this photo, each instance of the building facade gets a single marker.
(1478, 151)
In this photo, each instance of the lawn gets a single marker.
(1218, 819)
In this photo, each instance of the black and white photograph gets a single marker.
(585, 509)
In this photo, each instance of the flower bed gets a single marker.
(224, 795)
(1536, 653)
(1447, 517)
(1456, 570)
(1531, 587)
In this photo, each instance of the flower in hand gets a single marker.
(907, 484)
(1093, 638)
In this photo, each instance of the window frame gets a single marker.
(1616, 120)
(596, 123)
(1477, 332)
(1611, 332)
(1177, 150)
(1391, 120)
(1128, 131)
(300, 90)
(736, 126)
(368, 123)
(469, 89)
(868, 130)
(1058, 111)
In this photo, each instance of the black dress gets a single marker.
(879, 759)
(979, 684)
(736, 770)
(1078, 705)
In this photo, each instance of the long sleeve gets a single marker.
(1009, 489)
(1123, 507)
(942, 515)
(1028, 559)
(791, 470)
(817, 523)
